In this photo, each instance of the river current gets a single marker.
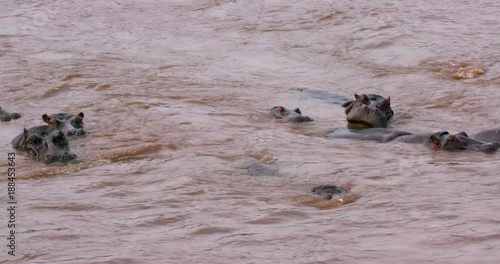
(176, 93)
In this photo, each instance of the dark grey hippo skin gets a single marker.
(47, 143)
(295, 115)
(442, 140)
(7, 116)
(71, 125)
(329, 191)
(368, 111)
(325, 96)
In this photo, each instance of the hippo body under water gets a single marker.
(295, 115)
(492, 135)
(6, 116)
(47, 143)
(381, 135)
(324, 96)
(329, 191)
(372, 114)
(440, 140)
(461, 141)
(71, 125)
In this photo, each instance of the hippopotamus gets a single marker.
(329, 191)
(367, 111)
(442, 140)
(461, 141)
(6, 116)
(378, 134)
(47, 143)
(71, 125)
(280, 112)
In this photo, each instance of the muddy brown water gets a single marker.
(175, 93)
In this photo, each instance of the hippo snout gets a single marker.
(62, 158)
(489, 147)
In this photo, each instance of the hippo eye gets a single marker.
(452, 140)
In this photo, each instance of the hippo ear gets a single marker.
(463, 134)
(349, 107)
(25, 132)
(46, 118)
(357, 96)
(389, 100)
(296, 110)
(79, 118)
(436, 142)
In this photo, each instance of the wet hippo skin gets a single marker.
(295, 115)
(329, 191)
(492, 135)
(368, 111)
(6, 116)
(45, 142)
(71, 125)
(461, 141)
(381, 135)
(440, 140)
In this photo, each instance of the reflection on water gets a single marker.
(175, 95)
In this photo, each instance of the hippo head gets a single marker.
(368, 111)
(329, 191)
(280, 112)
(461, 141)
(72, 125)
(76, 121)
(6, 116)
(53, 122)
(48, 144)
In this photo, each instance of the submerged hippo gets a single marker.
(280, 112)
(461, 141)
(6, 116)
(71, 125)
(47, 143)
(329, 191)
(492, 135)
(368, 110)
(440, 140)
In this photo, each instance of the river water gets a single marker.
(175, 95)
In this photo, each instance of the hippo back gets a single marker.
(492, 135)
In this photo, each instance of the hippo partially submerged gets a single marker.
(71, 125)
(369, 115)
(461, 141)
(368, 110)
(6, 116)
(280, 112)
(47, 143)
(329, 191)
